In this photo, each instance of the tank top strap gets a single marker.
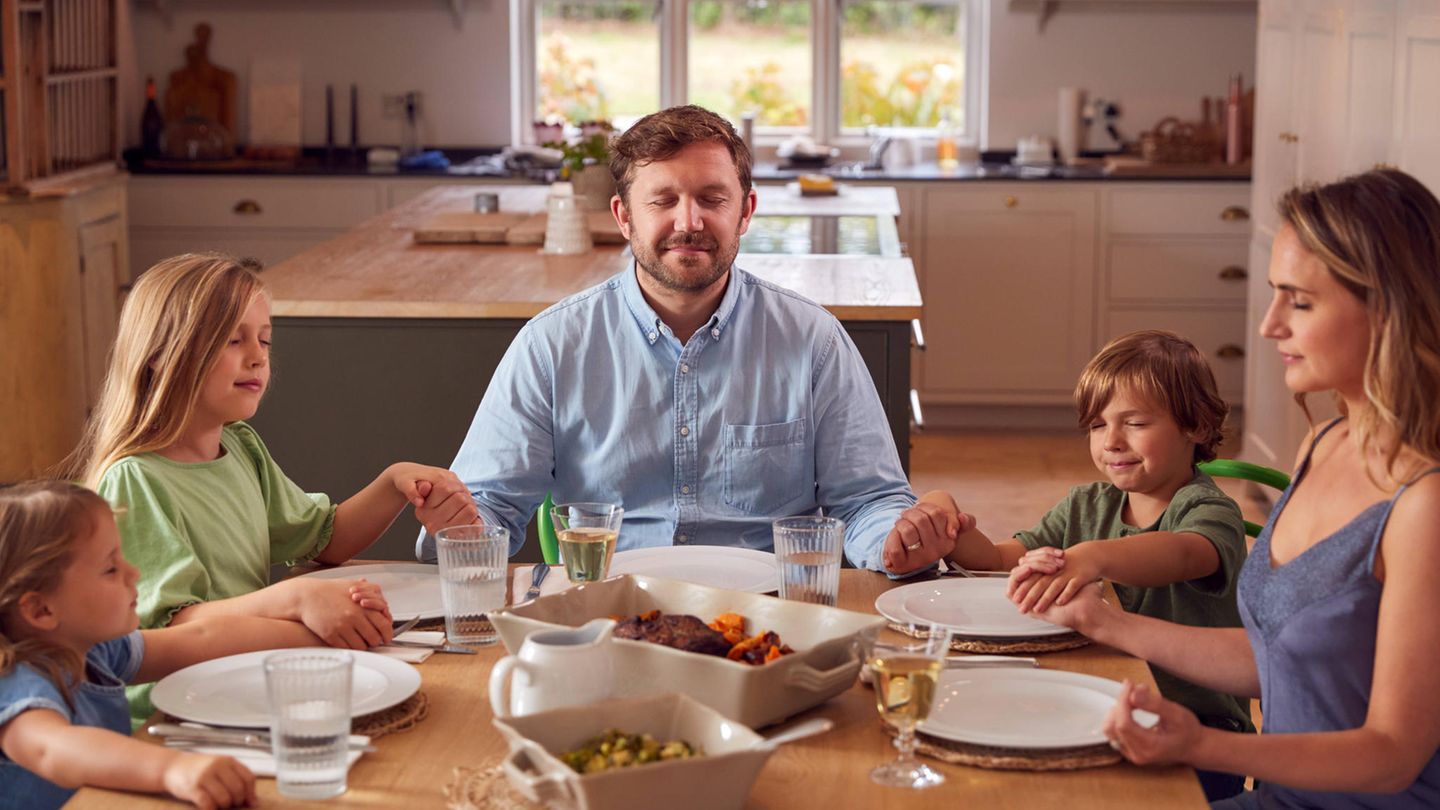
(1314, 443)
(1385, 517)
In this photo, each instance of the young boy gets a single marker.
(1167, 537)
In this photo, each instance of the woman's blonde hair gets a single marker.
(1378, 233)
(176, 320)
(1166, 371)
(40, 521)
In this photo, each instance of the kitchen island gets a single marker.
(384, 347)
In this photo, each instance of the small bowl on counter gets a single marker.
(719, 778)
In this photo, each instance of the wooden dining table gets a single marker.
(411, 769)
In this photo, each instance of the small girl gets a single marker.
(203, 508)
(68, 644)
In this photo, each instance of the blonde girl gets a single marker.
(1337, 596)
(68, 644)
(205, 509)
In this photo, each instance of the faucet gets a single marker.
(878, 145)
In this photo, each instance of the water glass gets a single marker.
(807, 549)
(472, 580)
(309, 694)
(587, 533)
(905, 671)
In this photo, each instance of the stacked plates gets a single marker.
(972, 608)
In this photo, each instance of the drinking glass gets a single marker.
(807, 549)
(587, 533)
(309, 694)
(472, 580)
(904, 671)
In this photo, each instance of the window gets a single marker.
(831, 68)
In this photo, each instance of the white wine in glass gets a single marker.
(906, 671)
(586, 552)
(905, 687)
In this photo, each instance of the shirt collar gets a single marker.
(650, 323)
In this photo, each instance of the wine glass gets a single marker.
(904, 671)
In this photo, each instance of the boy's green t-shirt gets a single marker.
(1093, 513)
(209, 530)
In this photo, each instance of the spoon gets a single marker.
(800, 731)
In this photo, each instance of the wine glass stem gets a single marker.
(905, 743)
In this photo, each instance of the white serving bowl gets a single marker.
(823, 665)
(719, 780)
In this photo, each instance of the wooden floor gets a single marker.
(1009, 479)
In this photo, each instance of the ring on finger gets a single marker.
(912, 546)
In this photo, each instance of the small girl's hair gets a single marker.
(175, 322)
(1165, 370)
(40, 521)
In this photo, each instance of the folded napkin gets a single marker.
(413, 655)
(555, 582)
(260, 761)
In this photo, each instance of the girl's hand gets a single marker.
(327, 609)
(1057, 587)
(439, 497)
(210, 782)
(367, 595)
(1171, 740)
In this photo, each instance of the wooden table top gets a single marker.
(830, 771)
(377, 270)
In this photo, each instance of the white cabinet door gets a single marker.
(1322, 92)
(1417, 69)
(1369, 85)
(1276, 67)
(1009, 286)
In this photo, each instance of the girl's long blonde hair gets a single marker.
(175, 322)
(1379, 234)
(40, 522)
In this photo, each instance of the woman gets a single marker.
(1340, 637)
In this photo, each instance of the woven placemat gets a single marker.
(401, 717)
(430, 625)
(1012, 759)
(1001, 646)
(484, 789)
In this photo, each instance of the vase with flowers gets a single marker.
(585, 162)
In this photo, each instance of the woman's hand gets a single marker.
(439, 497)
(1172, 739)
(209, 782)
(327, 608)
(1086, 612)
(1051, 577)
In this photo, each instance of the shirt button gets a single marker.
(652, 336)
(684, 430)
(682, 538)
(714, 333)
(685, 488)
(684, 368)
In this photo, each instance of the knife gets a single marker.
(970, 661)
(444, 648)
(244, 738)
(537, 576)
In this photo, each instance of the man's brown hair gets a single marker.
(661, 135)
(1166, 371)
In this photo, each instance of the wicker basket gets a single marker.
(1174, 141)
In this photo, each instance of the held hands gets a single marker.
(1172, 739)
(344, 613)
(1047, 576)
(439, 497)
(210, 782)
(1086, 612)
(924, 533)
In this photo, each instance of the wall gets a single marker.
(1156, 58)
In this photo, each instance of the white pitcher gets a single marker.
(555, 668)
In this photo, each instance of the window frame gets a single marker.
(672, 26)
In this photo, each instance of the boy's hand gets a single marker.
(1172, 739)
(210, 782)
(368, 595)
(1032, 588)
(924, 533)
(328, 610)
(439, 497)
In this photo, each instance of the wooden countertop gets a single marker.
(412, 768)
(377, 270)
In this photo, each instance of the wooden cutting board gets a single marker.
(452, 227)
(603, 230)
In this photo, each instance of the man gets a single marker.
(704, 400)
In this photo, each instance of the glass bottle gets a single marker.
(947, 142)
(152, 123)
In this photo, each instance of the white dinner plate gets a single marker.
(230, 691)
(412, 589)
(736, 569)
(1021, 708)
(974, 608)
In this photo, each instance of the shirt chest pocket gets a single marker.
(765, 465)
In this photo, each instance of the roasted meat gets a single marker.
(683, 632)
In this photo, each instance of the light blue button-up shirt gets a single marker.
(767, 411)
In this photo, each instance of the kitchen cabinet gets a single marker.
(64, 268)
(1343, 86)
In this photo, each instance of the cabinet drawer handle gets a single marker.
(1379, 166)
(1233, 273)
(1230, 352)
(247, 207)
(1234, 213)
(917, 335)
(917, 418)
(1011, 202)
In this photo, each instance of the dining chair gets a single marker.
(1231, 468)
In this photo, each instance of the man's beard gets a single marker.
(723, 254)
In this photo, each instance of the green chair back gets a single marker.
(545, 526)
(1244, 470)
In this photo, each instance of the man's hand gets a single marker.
(210, 781)
(439, 497)
(328, 609)
(1049, 576)
(923, 534)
